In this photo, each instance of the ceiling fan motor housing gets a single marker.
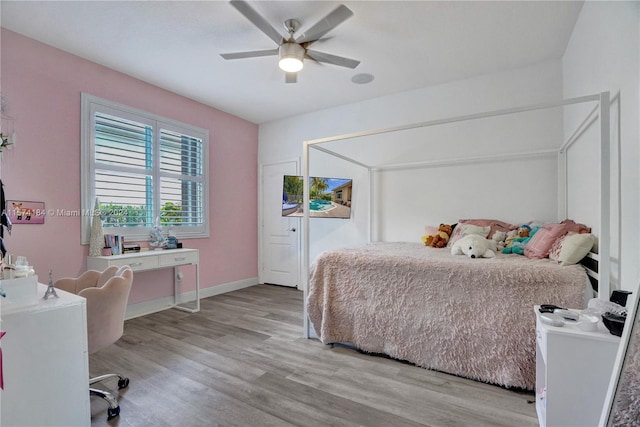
(291, 56)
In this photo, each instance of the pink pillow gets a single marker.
(541, 242)
(576, 227)
(495, 225)
(430, 230)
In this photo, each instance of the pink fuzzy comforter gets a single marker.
(469, 317)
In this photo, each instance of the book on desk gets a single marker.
(128, 248)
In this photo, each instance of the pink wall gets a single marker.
(42, 86)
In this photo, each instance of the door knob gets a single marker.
(292, 229)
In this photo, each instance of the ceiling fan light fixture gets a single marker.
(291, 56)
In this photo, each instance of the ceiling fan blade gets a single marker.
(332, 59)
(290, 77)
(256, 19)
(251, 54)
(326, 24)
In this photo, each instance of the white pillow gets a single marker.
(475, 229)
(466, 229)
(575, 247)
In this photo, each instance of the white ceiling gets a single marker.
(404, 44)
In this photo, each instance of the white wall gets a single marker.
(517, 191)
(602, 55)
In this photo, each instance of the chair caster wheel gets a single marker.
(113, 412)
(123, 383)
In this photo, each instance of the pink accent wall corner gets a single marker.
(42, 86)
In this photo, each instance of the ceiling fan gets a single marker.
(293, 49)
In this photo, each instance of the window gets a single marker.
(142, 168)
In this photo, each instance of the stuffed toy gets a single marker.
(440, 239)
(510, 236)
(473, 246)
(522, 232)
(518, 243)
(499, 238)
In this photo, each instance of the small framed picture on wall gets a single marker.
(24, 212)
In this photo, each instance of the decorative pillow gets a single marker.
(575, 247)
(574, 226)
(496, 225)
(554, 252)
(465, 229)
(540, 244)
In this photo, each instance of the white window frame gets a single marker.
(91, 104)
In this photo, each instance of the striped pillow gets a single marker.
(541, 242)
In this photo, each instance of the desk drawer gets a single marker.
(168, 260)
(137, 263)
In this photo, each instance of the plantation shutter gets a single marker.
(143, 168)
(123, 171)
(181, 179)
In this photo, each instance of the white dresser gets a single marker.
(45, 363)
(154, 260)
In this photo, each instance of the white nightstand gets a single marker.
(573, 369)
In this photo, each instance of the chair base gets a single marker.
(114, 408)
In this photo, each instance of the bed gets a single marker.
(468, 317)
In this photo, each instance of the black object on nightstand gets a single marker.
(619, 297)
(614, 323)
(548, 308)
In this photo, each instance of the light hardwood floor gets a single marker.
(242, 361)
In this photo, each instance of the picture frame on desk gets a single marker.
(621, 408)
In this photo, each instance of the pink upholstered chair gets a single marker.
(107, 293)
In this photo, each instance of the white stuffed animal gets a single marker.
(473, 246)
(498, 238)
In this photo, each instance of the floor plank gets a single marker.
(242, 361)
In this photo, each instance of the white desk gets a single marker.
(45, 363)
(155, 260)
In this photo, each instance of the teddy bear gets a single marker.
(440, 239)
(520, 232)
(473, 246)
(518, 243)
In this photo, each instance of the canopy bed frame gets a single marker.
(602, 270)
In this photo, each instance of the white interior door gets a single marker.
(280, 242)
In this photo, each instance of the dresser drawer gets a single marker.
(178, 258)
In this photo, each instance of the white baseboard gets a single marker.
(153, 306)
